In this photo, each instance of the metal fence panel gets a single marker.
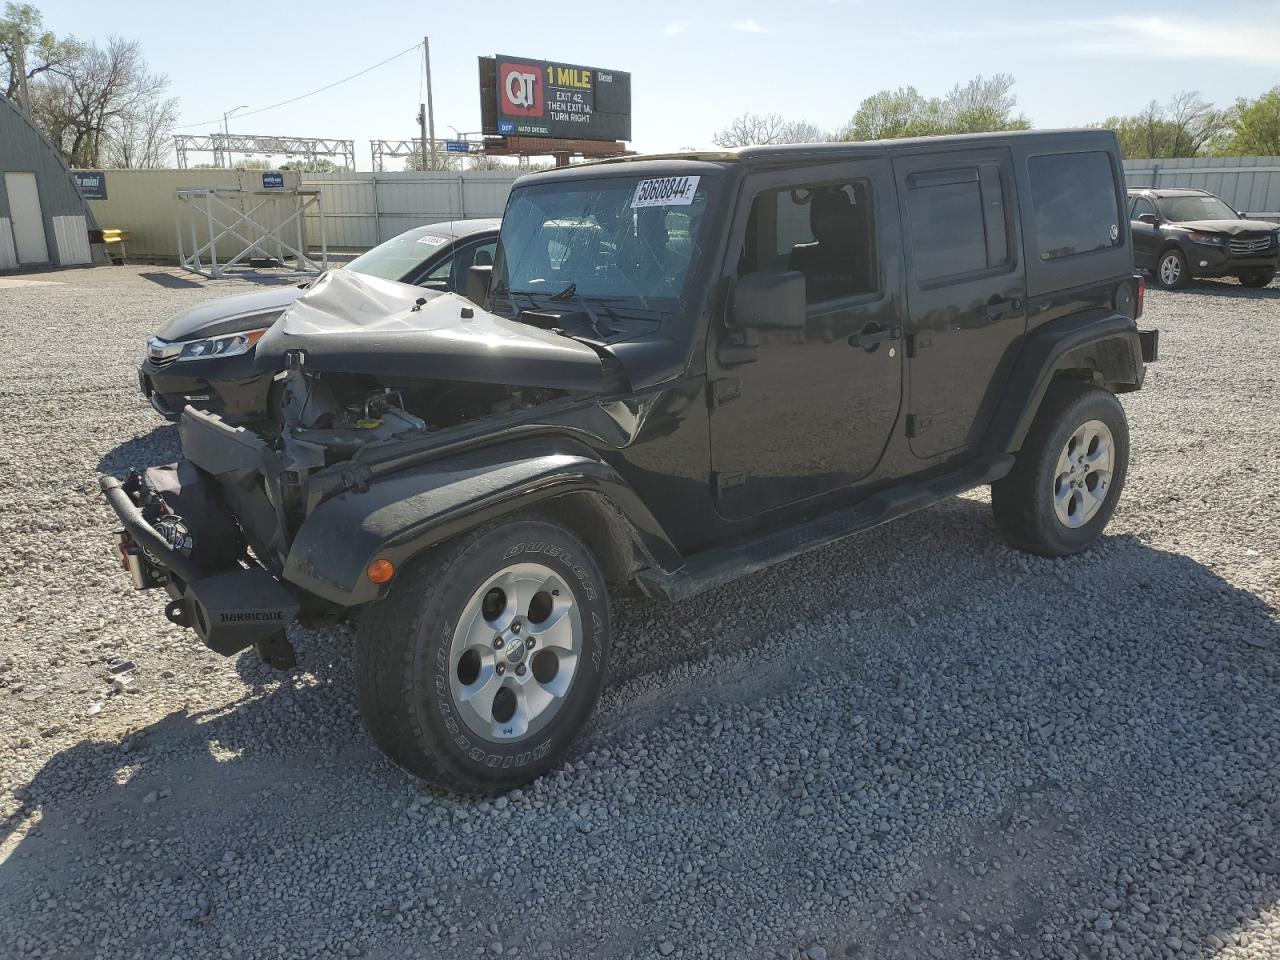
(364, 209)
(1251, 184)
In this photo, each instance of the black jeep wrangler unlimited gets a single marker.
(679, 370)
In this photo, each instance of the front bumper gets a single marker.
(230, 610)
(1209, 260)
(229, 386)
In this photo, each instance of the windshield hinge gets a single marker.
(721, 482)
(722, 391)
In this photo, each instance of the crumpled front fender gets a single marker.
(398, 516)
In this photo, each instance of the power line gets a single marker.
(303, 96)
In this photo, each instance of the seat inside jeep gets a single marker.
(822, 231)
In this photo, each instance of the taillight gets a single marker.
(1141, 299)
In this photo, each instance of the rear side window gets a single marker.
(1074, 198)
(957, 221)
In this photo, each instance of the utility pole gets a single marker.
(20, 61)
(431, 113)
(422, 127)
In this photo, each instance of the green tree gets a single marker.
(23, 39)
(977, 106)
(1254, 126)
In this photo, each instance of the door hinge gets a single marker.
(720, 482)
(917, 424)
(916, 343)
(724, 390)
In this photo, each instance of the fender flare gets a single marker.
(1101, 346)
(398, 516)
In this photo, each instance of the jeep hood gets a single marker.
(354, 323)
(244, 311)
(1232, 227)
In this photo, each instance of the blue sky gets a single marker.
(693, 66)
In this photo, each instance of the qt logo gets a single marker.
(521, 89)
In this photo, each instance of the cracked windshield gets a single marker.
(627, 240)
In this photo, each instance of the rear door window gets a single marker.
(958, 223)
(1074, 199)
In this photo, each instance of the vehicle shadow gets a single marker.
(159, 445)
(1226, 288)
(1149, 809)
(174, 281)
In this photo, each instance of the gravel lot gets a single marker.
(915, 744)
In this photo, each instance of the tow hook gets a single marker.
(276, 651)
(175, 612)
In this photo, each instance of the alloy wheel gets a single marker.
(515, 652)
(1082, 478)
(1170, 269)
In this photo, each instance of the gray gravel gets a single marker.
(917, 744)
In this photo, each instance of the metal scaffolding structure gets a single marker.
(248, 220)
(224, 146)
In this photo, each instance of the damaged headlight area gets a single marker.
(320, 419)
(229, 345)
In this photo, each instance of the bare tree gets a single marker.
(440, 161)
(143, 139)
(756, 128)
(1186, 126)
(982, 105)
(25, 43)
(83, 104)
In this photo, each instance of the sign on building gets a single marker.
(273, 181)
(540, 98)
(92, 184)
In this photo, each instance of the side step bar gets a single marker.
(724, 564)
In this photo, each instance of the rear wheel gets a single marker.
(1257, 278)
(484, 663)
(1172, 272)
(1068, 475)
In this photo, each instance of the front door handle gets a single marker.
(873, 335)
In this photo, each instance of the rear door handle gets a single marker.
(873, 335)
(996, 309)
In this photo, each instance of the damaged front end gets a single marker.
(176, 534)
(371, 375)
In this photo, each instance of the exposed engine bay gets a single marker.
(318, 419)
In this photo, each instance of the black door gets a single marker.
(1146, 236)
(966, 292)
(796, 413)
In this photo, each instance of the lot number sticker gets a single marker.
(665, 192)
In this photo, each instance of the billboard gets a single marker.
(541, 98)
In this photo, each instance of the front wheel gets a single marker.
(1068, 475)
(480, 668)
(1258, 278)
(1172, 271)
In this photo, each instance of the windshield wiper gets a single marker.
(566, 293)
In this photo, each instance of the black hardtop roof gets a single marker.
(692, 162)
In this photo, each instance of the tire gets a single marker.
(1172, 271)
(1257, 278)
(428, 654)
(1043, 507)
